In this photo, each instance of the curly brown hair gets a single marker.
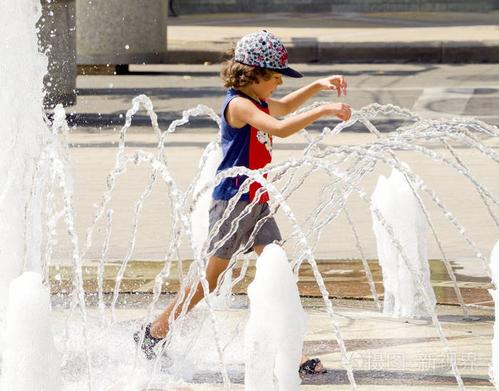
(237, 75)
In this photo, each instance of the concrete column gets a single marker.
(121, 31)
(58, 40)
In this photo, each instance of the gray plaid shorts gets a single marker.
(267, 233)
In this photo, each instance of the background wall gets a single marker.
(203, 6)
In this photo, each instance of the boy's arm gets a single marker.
(244, 111)
(292, 101)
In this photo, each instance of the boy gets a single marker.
(248, 124)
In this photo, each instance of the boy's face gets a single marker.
(264, 88)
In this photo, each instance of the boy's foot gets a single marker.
(312, 366)
(148, 343)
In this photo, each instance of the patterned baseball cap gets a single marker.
(264, 50)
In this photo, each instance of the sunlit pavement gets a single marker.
(105, 99)
(330, 37)
(432, 90)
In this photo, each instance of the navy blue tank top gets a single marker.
(242, 147)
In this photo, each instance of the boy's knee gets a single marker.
(258, 249)
(216, 267)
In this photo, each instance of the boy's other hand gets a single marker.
(340, 110)
(335, 82)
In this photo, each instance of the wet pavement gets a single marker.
(343, 279)
(385, 352)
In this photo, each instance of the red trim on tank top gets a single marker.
(259, 157)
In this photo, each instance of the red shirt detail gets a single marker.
(260, 154)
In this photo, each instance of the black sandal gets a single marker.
(148, 341)
(309, 367)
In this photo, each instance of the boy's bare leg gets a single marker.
(258, 249)
(216, 265)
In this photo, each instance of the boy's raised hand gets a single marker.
(341, 110)
(335, 82)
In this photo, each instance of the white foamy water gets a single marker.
(494, 266)
(22, 133)
(394, 198)
(276, 325)
(30, 361)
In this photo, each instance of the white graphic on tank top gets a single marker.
(264, 138)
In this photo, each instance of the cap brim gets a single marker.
(288, 72)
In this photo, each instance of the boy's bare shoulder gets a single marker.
(236, 110)
(241, 104)
(241, 101)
